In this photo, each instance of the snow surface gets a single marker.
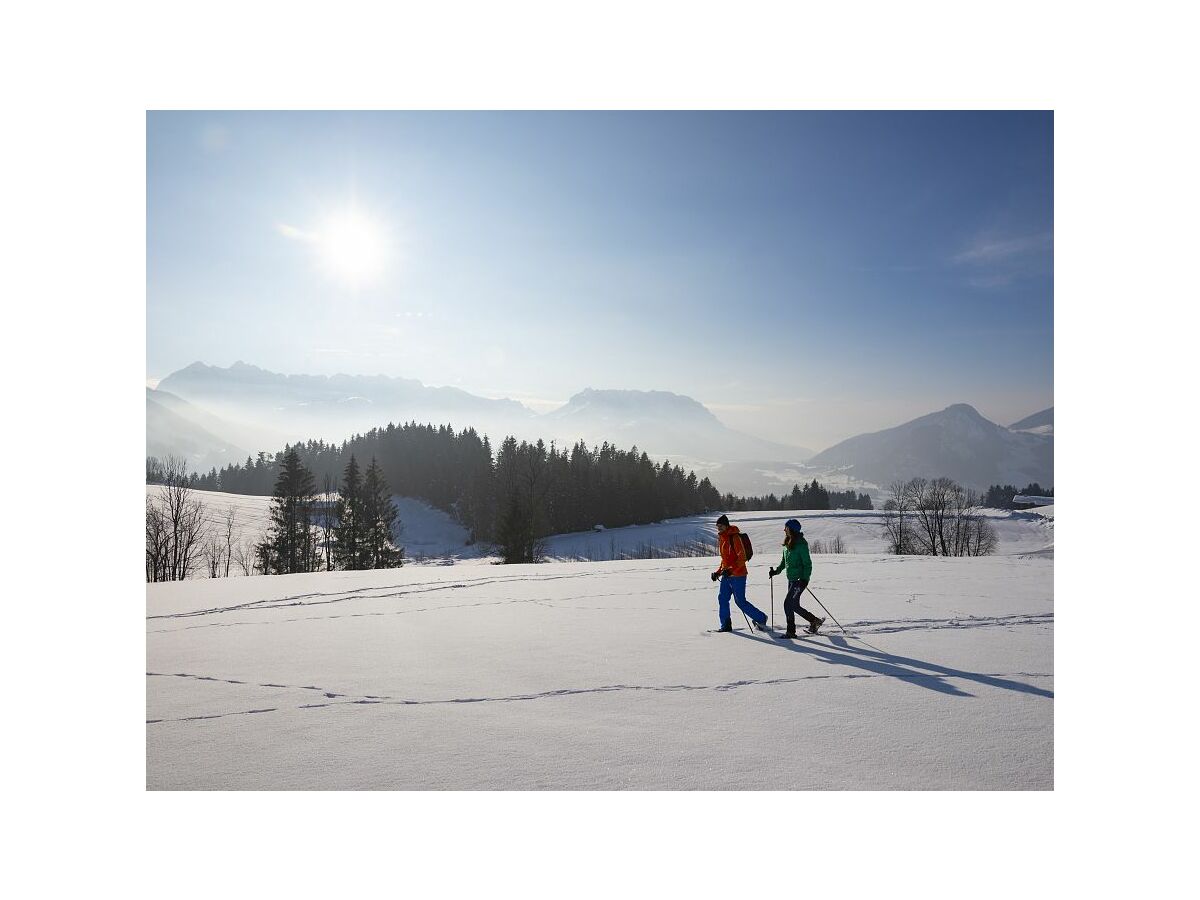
(603, 676)
(861, 531)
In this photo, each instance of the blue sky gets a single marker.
(808, 276)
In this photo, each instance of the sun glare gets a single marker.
(353, 248)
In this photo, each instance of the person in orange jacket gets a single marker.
(732, 573)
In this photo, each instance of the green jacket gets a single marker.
(797, 561)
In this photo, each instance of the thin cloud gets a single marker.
(986, 250)
(994, 261)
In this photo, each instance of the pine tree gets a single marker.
(379, 523)
(292, 543)
(514, 538)
(347, 534)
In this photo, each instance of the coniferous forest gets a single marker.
(808, 496)
(511, 496)
(1000, 496)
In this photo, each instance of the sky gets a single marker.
(808, 276)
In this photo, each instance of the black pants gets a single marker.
(791, 605)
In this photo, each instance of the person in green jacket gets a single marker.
(798, 564)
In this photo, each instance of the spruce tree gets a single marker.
(292, 540)
(379, 522)
(347, 534)
(514, 538)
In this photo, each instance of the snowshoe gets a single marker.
(814, 627)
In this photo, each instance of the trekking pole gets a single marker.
(827, 612)
(772, 580)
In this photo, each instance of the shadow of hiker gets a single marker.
(978, 677)
(901, 667)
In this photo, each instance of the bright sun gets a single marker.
(353, 248)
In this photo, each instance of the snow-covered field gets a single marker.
(860, 530)
(431, 537)
(604, 676)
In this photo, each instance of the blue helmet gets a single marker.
(794, 525)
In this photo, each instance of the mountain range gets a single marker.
(957, 443)
(662, 423)
(1039, 423)
(209, 414)
(298, 407)
(288, 408)
(175, 427)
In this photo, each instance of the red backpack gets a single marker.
(746, 545)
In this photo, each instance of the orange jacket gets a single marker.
(733, 553)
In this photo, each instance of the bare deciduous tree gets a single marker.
(834, 544)
(229, 521)
(174, 525)
(243, 555)
(897, 523)
(157, 542)
(213, 553)
(972, 533)
(327, 519)
(936, 517)
(931, 501)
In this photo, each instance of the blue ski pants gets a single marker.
(737, 587)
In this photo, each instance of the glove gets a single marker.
(716, 575)
(771, 573)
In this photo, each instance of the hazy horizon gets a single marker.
(806, 276)
(544, 406)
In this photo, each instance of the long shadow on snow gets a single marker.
(890, 664)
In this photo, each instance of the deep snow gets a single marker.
(603, 676)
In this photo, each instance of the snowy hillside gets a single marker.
(602, 676)
(859, 530)
(428, 535)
